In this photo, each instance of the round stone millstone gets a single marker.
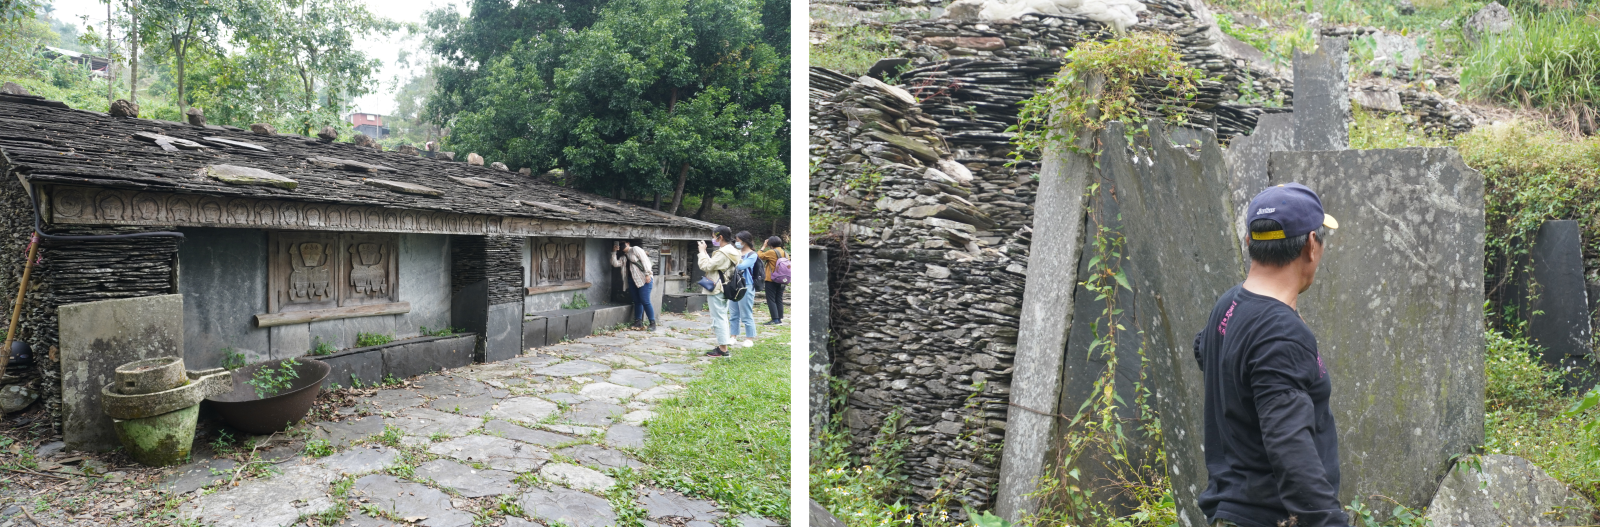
(159, 441)
(150, 376)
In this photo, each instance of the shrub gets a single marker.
(1513, 373)
(322, 347)
(269, 381)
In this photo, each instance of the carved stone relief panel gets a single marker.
(97, 206)
(370, 269)
(303, 271)
(556, 261)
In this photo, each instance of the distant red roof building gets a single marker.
(370, 124)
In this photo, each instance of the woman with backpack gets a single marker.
(636, 280)
(777, 275)
(744, 315)
(715, 266)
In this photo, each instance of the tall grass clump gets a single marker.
(853, 49)
(1549, 61)
(1527, 415)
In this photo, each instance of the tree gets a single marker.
(313, 40)
(181, 25)
(652, 97)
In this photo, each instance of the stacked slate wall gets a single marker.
(70, 273)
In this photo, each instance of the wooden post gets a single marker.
(16, 310)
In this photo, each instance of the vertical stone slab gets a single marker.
(1556, 296)
(1247, 163)
(533, 331)
(1046, 318)
(1397, 309)
(223, 278)
(820, 361)
(504, 340)
(424, 281)
(1322, 96)
(1176, 218)
(96, 337)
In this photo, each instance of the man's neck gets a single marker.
(1282, 283)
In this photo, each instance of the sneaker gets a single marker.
(773, 323)
(747, 343)
(716, 352)
(652, 325)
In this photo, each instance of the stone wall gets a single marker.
(70, 273)
(223, 277)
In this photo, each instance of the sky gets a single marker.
(386, 49)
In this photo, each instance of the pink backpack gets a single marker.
(780, 271)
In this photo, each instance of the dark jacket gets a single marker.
(1271, 446)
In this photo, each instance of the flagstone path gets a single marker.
(543, 433)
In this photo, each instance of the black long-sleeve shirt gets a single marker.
(1271, 444)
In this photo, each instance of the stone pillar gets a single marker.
(486, 279)
(1397, 308)
(1045, 321)
(821, 364)
(1322, 97)
(1554, 293)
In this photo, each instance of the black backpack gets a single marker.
(734, 289)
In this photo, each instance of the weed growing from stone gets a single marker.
(624, 497)
(578, 302)
(322, 347)
(231, 359)
(319, 448)
(364, 340)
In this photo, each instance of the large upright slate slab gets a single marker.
(1180, 256)
(821, 364)
(1397, 308)
(504, 337)
(1555, 294)
(96, 337)
(1247, 162)
(223, 278)
(1322, 96)
(1042, 332)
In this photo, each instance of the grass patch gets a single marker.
(1524, 416)
(852, 50)
(1546, 61)
(372, 339)
(726, 435)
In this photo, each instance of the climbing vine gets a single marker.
(1140, 65)
(1131, 488)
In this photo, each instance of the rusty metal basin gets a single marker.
(241, 409)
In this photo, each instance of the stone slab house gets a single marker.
(277, 243)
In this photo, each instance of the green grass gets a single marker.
(726, 435)
(1547, 61)
(372, 339)
(1524, 408)
(852, 49)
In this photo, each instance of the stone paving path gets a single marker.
(543, 432)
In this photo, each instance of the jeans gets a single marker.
(641, 302)
(775, 300)
(719, 318)
(744, 314)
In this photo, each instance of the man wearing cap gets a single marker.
(1270, 441)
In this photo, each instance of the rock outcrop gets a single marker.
(1506, 490)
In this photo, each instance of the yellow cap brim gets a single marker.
(1329, 222)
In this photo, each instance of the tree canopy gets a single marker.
(655, 98)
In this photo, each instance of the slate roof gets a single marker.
(49, 143)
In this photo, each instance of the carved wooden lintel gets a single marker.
(267, 320)
(559, 288)
(95, 206)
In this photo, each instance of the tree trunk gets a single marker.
(657, 204)
(133, 41)
(705, 204)
(677, 195)
(111, 81)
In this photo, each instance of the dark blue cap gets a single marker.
(1293, 206)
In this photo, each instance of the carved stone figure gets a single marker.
(369, 270)
(311, 272)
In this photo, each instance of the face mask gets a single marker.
(738, 245)
(715, 243)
